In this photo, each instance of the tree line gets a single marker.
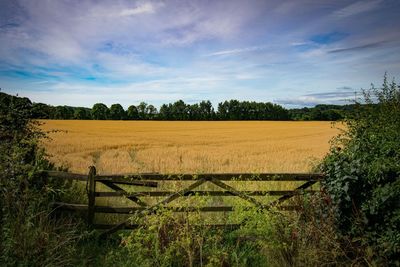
(204, 110)
(323, 112)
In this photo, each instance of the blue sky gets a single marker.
(295, 53)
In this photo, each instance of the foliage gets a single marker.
(227, 110)
(63, 113)
(142, 110)
(44, 111)
(29, 237)
(117, 112)
(41, 111)
(132, 113)
(182, 111)
(363, 174)
(166, 239)
(236, 110)
(264, 238)
(322, 113)
(100, 112)
(82, 113)
(150, 112)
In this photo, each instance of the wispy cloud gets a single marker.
(357, 8)
(8, 26)
(340, 96)
(298, 102)
(345, 88)
(331, 95)
(310, 101)
(236, 51)
(359, 47)
(143, 8)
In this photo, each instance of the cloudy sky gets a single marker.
(295, 53)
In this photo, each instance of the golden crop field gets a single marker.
(187, 147)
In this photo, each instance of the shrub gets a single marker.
(29, 236)
(363, 174)
(168, 239)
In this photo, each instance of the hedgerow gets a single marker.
(363, 174)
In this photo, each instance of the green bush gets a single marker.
(167, 239)
(363, 174)
(29, 235)
(265, 238)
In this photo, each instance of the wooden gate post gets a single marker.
(91, 194)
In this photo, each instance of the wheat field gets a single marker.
(187, 147)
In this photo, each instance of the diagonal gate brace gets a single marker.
(123, 192)
(291, 194)
(234, 192)
(152, 208)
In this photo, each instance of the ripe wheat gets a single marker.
(187, 147)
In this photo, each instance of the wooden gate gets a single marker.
(152, 180)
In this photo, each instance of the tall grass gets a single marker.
(265, 238)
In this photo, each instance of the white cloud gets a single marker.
(125, 66)
(236, 51)
(143, 8)
(357, 8)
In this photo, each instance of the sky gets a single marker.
(293, 53)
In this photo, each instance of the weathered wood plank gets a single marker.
(236, 193)
(219, 176)
(150, 180)
(91, 191)
(200, 193)
(287, 196)
(163, 202)
(122, 191)
(178, 194)
(128, 210)
(132, 178)
(127, 181)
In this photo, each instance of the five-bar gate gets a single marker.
(152, 180)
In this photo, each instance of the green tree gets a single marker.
(180, 110)
(63, 113)
(206, 110)
(194, 112)
(151, 112)
(245, 110)
(165, 112)
(82, 113)
(223, 110)
(117, 112)
(100, 112)
(41, 111)
(142, 110)
(132, 113)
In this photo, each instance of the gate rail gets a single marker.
(151, 180)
